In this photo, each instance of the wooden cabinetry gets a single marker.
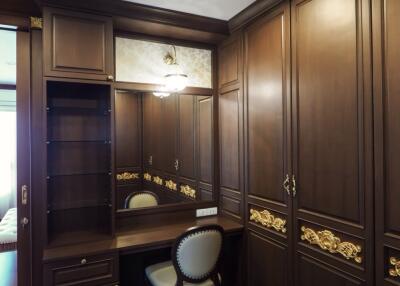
(307, 141)
(89, 271)
(77, 45)
(79, 189)
(177, 141)
(387, 138)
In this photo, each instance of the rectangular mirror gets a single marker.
(163, 149)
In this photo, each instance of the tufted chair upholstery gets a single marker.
(141, 200)
(195, 259)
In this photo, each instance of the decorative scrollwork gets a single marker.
(127, 176)
(171, 185)
(157, 180)
(188, 191)
(326, 240)
(147, 177)
(36, 23)
(395, 271)
(265, 218)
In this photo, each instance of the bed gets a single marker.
(8, 231)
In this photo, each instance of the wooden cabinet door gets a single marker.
(386, 23)
(77, 45)
(147, 130)
(169, 130)
(332, 140)
(267, 94)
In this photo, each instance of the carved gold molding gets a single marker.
(265, 218)
(127, 176)
(171, 185)
(157, 180)
(147, 177)
(326, 240)
(188, 191)
(395, 271)
(36, 23)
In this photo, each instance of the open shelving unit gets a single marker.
(79, 165)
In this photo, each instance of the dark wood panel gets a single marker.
(77, 45)
(169, 129)
(229, 62)
(271, 260)
(205, 139)
(329, 109)
(266, 99)
(187, 157)
(128, 129)
(315, 273)
(229, 139)
(147, 129)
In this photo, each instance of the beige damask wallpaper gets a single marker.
(142, 61)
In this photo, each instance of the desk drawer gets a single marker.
(84, 271)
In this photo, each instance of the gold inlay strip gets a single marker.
(147, 177)
(188, 191)
(326, 240)
(171, 185)
(265, 218)
(157, 180)
(36, 23)
(395, 271)
(127, 176)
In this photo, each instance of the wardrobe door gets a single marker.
(386, 23)
(267, 98)
(332, 155)
(147, 130)
(169, 131)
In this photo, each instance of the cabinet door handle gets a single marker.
(286, 184)
(176, 165)
(294, 190)
(83, 261)
(151, 160)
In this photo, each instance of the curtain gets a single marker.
(8, 148)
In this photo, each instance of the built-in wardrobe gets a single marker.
(308, 99)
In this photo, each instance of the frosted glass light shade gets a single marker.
(175, 82)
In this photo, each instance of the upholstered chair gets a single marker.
(141, 200)
(195, 259)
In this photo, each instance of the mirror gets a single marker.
(163, 149)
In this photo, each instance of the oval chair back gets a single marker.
(196, 254)
(141, 200)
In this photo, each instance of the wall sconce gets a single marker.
(176, 80)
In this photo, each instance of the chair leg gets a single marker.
(215, 280)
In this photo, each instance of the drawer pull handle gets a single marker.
(83, 261)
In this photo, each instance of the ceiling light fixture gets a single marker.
(175, 80)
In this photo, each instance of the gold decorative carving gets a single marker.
(171, 185)
(326, 240)
(188, 191)
(395, 271)
(157, 180)
(36, 23)
(127, 176)
(265, 218)
(147, 177)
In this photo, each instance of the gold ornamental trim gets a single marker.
(265, 218)
(157, 180)
(147, 177)
(395, 271)
(36, 23)
(127, 176)
(327, 241)
(188, 191)
(171, 185)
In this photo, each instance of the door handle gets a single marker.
(24, 194)
(286, 184)
(24, 222)
(294, 190)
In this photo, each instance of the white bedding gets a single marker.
(8, 227)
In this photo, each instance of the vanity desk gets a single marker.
(108, 262)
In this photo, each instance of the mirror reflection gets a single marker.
(163, 149)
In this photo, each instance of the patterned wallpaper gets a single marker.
(142, 61)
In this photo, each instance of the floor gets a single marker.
(8, 269)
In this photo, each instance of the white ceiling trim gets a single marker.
(218, 9)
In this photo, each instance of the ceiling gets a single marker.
(218, 9)
(8, 50)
